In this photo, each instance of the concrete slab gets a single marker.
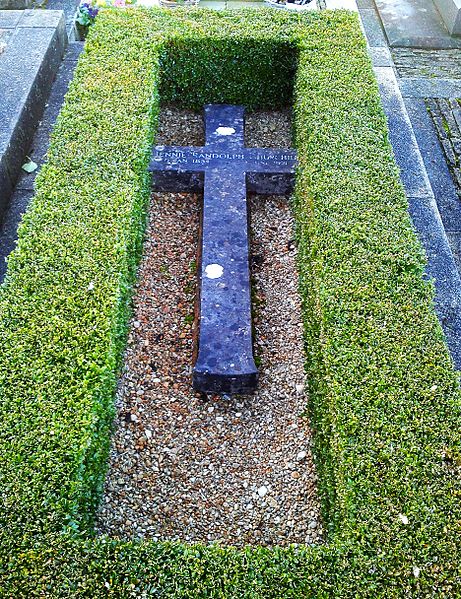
(25, 81)
(415, 24)
(69, 8)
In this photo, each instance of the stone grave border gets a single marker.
(384, 398)
(28, 67)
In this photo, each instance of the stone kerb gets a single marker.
(28, 66)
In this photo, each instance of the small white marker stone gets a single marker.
(262, 491)
(225, 130)
(214, 271)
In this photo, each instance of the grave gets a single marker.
(225, 170)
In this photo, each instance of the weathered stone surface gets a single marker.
(421, 62)
(416, 24)
(451, 14)
(225, 168)
(407, 154)
(24, 189)
(424, 212)
(15, 4)
(437, 169)
(430, 88)
(25, 81)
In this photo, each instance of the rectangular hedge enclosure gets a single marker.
(384, 397)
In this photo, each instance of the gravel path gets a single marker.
(235, 470)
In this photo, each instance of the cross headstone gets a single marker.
(224, 169)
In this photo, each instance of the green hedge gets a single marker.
(385, 400)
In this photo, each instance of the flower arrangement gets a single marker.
(89, 9)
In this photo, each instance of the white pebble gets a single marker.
(262, 491)
(301, 455)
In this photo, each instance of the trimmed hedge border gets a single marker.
(385, 400)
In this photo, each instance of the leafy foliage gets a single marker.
(385, 400)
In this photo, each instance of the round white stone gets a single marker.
(262, 491)
(225, 130)
(214, 271)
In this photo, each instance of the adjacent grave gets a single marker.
(225, 169)
(35, 43)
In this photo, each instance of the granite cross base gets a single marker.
(224, 169)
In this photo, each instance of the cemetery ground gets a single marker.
(383, 395)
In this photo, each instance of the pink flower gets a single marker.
(119, 3)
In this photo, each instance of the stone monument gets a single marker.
(224, 169)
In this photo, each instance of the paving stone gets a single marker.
(449, 153)
(430, 88)
(423, 63)
(414, 23)
(447, 113)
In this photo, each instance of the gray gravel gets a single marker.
(182, 467)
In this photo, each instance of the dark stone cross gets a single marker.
(225, 170)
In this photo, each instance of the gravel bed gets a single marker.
(235, 470)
